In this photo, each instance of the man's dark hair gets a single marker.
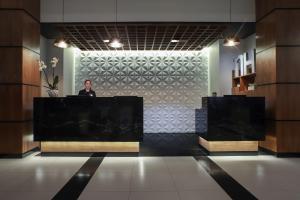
(87, 81)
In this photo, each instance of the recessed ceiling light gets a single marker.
(106, 41)
(231, 42)
(61, 43)
(115, 44)
(174, 41)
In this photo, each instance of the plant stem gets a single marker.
(46, 76)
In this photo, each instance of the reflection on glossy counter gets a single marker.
(231, 118)
(88, 119)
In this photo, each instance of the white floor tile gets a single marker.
(153, 196)
(209, 194)
(104, 195)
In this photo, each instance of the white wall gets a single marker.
(213, 68)
(221, 64)
(68, 72)
(227, 54)
(148, 11)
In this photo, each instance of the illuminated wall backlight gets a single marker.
(171, 82)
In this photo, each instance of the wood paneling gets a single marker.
(11, 33)
(288, 27)
(31, 33)
(280, 65)
(19, 52)
(266, 66)
(269, 143)
(288, 133)
(269, 92)
(278, 29)
(281, 101)
(24, 31)
(19, 65)
(283, 137)
(28, 93)
(11, 137)
(31, 6)
(90, 146)
(266, 33)
(228, 146)
(18, 101)
(287, 102)
(263, 7)
(10, 65)
(27, 138)
(30, 68)
(16, 138)
(288, 64)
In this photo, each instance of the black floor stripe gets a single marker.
(229, 185)
(78, 182)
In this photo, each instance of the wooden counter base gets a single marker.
(229, 146)
(89, 146)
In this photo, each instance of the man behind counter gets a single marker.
(87, 91)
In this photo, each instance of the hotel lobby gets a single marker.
(160, 99)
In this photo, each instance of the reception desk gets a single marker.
(231, 123)
(88, 124)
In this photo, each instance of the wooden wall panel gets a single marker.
(10, 62)
(27, 138)
(287, 102)
(270, 143)
(28, 93)
(263, 7)
(31, 6)
(266, 66)
(30, 68)
(278, 68)
(11, 33)
(25, 31)
(18, 101)
(278, 29)
(11, 97)
(16, 137)
(31, 33)
(288, 27)
(288, 133)
(269, 92)
(11, 138)
(19, 74)
(19, 65)
(288, 62)
(266, 33)
(281, 101)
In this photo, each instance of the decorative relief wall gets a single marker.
(172, 83)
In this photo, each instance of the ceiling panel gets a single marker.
(139, 36)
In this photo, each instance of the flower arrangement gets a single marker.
(52, 85)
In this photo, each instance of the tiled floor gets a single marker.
(152, 178)
(35, 177)
(267, 177)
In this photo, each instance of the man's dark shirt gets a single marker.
(90, 93)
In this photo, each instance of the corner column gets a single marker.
(19, 73)
(278, 72)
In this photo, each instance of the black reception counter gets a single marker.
(88, 119)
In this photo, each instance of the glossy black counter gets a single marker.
(231, 118)
(88, 119)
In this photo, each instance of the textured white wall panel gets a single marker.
(172, 83)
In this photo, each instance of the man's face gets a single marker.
(88, 85)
